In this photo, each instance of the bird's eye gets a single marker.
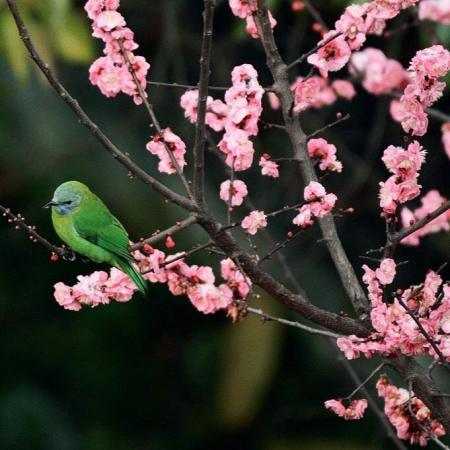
(68, 202)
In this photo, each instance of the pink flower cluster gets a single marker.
(163, 145)
(268, 167)
(216, 110)
(396, 332)
(196, 282)
(446, 137)
(238, 116)
(435, 10)
(426, 69)
(351, 29)
(245, 9)
(410, 417)
(110, 73)
(316, 92)
(99, 288)
(402, 185)
(380, 75)
(325, 153)
(430, 202)
(254, 221)
(354, 411)
(318, 204)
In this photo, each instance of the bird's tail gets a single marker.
(135, 275)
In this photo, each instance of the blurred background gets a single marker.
(156, 374)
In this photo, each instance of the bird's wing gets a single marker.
(103, 229)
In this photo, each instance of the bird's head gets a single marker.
(67, 197)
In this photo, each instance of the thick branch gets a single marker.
(297, 302)
(298, 140)
(200, 127)
(88, 123)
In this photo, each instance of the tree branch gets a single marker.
(85, 120)
(18, 222)
(163, 234)
(298, 140)
(200, 127)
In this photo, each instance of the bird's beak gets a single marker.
(49, 204)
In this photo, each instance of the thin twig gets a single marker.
(405, 232)
(18, 221)
(163, 234)
(85, 120)
(268, 318)
(200, 126)
(330, 125)
(315, 14)
(363, 383)
(322, 44)
(184, 86)
(154, 120)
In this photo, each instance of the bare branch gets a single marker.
(85, 120)
(330, 125)
(200, 127)
(184, 86)
(268, 318)
(18, 221)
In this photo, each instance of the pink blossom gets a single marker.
(95, 7)
(235, 279)
(208, 299)
(354, 411)
(254, 221)
(108, 20)
(436, 10)
(238, 149)
(243, 8)
(381, 75)
(446, 137)
(314, 191)
(274, 101)
(251, 27)
(238, 192)
(268, 167)
(164, 145)
(386, 272)
(353, 26)
(344, 89)
(64, 296)
(331, 57)
(313, 92)
(325, 153)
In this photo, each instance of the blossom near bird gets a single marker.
(87, 226)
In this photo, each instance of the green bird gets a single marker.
(87, 226)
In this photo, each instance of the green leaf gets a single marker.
(72, 39)
(12, 47)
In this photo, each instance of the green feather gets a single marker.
(87, 226)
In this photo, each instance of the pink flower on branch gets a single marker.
(254, 221)
(268, 167)
(236, 189)
(354, 411)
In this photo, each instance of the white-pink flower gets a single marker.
(237, 190)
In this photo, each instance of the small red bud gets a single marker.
(289, 234)
(170, 243)
(54, 257)
(297, 5)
